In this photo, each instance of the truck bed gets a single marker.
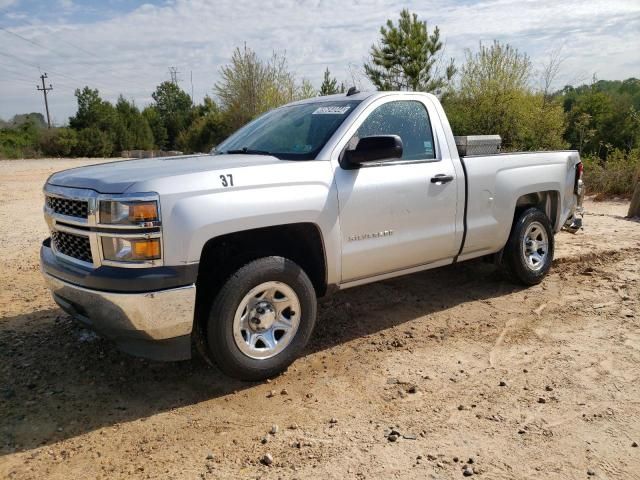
(496, 182)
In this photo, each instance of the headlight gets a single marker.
(120, 249)
(129, 213)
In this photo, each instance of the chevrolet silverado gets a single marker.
(226, 253)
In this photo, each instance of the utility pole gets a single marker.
(44, 90)
(173, 71)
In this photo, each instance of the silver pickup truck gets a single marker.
(226, 253)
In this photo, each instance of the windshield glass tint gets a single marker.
(297, 132)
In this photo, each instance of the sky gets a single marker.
(127, 47)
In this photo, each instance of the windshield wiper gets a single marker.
(246, 150)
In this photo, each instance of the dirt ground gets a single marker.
(537, 383)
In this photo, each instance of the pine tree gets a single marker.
(408, 57)
(329, 85)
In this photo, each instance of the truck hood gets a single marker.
(119, 176)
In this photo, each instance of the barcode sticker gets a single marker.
(335, 110)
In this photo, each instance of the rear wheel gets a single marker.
(529, 251)
(261, 319)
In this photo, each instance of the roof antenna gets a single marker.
(352, 91)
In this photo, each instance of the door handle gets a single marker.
(441, 178)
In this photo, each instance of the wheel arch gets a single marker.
(300, 242)
(547, 201)
(222, 255)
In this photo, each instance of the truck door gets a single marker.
(396, 215)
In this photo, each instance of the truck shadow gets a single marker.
(59, 381)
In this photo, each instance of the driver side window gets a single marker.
(406, 118)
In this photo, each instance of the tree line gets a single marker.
(493, 90)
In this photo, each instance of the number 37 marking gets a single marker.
(227, 180)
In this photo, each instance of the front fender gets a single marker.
(192, 221)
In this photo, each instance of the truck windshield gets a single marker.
(296, 132)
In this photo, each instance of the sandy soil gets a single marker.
(524, 383)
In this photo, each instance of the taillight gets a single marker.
(577, 187)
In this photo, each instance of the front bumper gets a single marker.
(155, 325)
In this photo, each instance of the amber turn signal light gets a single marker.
(146, 249)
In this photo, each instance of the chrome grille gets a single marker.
(69, 207)
(75, 246)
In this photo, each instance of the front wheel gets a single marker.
(529, 251)
(261, 319)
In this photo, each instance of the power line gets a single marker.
(37, 44)
(33, 42)
(173, 71)
(90, 54)
(77, 81)
(24, 38)
(10, 69)
(45, 90)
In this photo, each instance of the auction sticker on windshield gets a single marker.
(334, 110)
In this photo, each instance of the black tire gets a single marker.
(514, 263)
(220, 338)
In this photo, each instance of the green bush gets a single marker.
(58, 142)
(614, 177)
(20, 141)
(93, 142)
(203, 134)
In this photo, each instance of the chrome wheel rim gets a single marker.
(266, 320)
(535, 246)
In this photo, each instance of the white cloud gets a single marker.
(7, 3)
(130, 52)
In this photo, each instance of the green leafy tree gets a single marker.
(602, 113)
(306, 90)
(133, 130)
(408, 57)
(93, 142)
(174, 109)
(250, 86)
(37, 118)
(207, 129)
(97, 123)
(93, 112)
(158, 130)
(494, 97)
(329, 84)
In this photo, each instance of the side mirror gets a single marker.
(378, 148)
